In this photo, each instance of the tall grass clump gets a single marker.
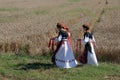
(108, 55)
(24, 50)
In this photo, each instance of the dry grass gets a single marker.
(107, 32)
(35, 25)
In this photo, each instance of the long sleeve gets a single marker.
(59, 38)
(62, 35)
(93, 38)
(85, 40)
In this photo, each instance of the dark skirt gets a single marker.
(83, 57)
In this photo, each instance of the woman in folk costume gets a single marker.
(53, 41)
(66, 28)
(88, 56)
(64, 57)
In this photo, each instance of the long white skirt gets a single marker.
(64, 58)
(91, 57)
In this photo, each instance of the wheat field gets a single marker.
(27, 25)
(107, 31)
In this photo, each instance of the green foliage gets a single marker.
(74, 0)
(112, 8)
(24, 50)
(29, 67)
(9, 9)
(78, 11)
(101, 14)
(7, 19)
(43, 11)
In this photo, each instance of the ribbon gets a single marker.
(78, 45)
(52, 44)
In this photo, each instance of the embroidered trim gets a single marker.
(65, 61)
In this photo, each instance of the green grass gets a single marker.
(11, 14)
(112, 8)
(6, 19)
(28, 67)
(74, 0)
(38, 12)
(78, 11)
(9, 9)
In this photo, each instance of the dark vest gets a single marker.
(88, 34)
(87, 45)
(64, 34)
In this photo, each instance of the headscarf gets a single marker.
(62, 26)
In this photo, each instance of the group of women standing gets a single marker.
(63, 55)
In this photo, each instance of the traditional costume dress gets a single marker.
(88, 56)
(64, 57)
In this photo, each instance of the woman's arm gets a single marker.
(59, 38)
(85, 40)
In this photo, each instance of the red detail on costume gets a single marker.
(78, 45)
(69, 42)
(51, 43)
(63, 25)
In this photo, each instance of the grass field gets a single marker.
(28, 67)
